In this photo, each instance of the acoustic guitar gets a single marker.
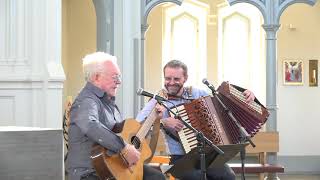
(115, 166)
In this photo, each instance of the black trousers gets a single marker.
(221, 173)
(149, 173)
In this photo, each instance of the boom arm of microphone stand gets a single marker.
(246, 136)
(216, 148)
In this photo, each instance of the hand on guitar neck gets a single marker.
(159, 109)
(130, 154)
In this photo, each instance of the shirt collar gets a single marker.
(185, 94)
(99, 92)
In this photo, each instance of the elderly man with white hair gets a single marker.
(94, 118)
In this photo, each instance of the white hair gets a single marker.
(94, 64)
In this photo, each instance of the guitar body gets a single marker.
(114, 167)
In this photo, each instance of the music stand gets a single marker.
(191, 161)
(244, 136)
(202, 141)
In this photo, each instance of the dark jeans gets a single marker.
(91, 176)
(220, 173)
(149, 173)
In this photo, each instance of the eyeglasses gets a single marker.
(174, 79)
(117, 78)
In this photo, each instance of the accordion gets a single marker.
(207, 115)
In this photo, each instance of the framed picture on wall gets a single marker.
(293, 72)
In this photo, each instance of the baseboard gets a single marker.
(300, 164)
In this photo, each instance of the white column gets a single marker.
(271, 100)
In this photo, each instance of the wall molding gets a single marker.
(30, 62)
(14, 28)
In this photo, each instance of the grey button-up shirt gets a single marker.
(93, 116)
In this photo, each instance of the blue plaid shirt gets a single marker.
(173, 147)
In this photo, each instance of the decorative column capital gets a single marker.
(271, 27)
(271, 30)
(272, 107)
(144, 29)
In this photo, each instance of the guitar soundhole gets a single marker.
(136, 142)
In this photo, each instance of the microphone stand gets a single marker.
(244, 136)
(202, 140)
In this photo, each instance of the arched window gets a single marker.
(185, 38)
(241, 58)
(236, 49)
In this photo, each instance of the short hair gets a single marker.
(94, 64)
(177, 64)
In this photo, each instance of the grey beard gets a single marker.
(175, 92)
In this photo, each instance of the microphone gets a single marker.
(210, 86)
(142, 92)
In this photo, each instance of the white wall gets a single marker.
(299, 112)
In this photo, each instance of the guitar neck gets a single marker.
(147, 124)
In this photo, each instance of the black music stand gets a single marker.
(191, 161)
(244, 136)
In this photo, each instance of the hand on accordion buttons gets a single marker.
(249, 96)
(173, 123)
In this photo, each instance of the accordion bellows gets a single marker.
(207, 115)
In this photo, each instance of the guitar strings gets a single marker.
(148, 124)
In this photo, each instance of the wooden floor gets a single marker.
(282, 177)
(287, 177)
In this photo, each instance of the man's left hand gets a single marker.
(249, 96)
(160, 109)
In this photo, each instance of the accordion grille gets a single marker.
(207, 115)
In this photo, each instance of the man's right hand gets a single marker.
(172, 123)
(131, 154)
